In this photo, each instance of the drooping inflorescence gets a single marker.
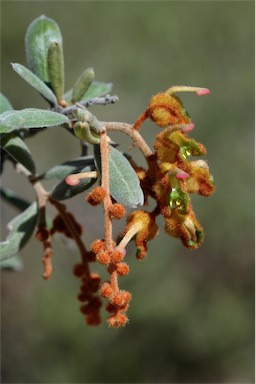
(123, 187)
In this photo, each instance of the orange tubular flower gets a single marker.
(148, 230)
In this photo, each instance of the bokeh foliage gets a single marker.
(192, 313)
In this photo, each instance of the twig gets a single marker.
(104, 148)
(138, 140)
(95, 101)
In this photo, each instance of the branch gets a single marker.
(104, 149)
(128, 129)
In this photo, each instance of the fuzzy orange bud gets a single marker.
(96, 196)
(97, 246)
(106, 290)
(121, 298)
(103, 258)
(116, 256)
(119, 320)
(122, 269)
(117, 211)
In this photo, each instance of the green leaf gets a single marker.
(30, 118)
(13, 199)
(5, 104)
(82, 84)
(96, 89)
(124, 183)
(56, 69)
(40, 33)
(18, 150)
(14, 263)
(63, 191)
(35, 82)
(21, 229)
(74, 166)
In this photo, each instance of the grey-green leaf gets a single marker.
(18, 150)
(13, 199)
(56, 68)
(14, 263)
(30, 118)
(82, 84)
(96, 89)
(124, 183)
(21, 229)
(73, 166)
(5, 104)
(63, 191)
(40, 33)
(35, 82)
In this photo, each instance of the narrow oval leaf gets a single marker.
(21, 229)
(5, 104)
(82, 84)
(56, 69)
(30, 118)
(13, 199)
(35, 82)
(40, 33)
(18, 150)
(96, 89)
(73, 166)
(14, 263)
(63, 191)
(124, 183)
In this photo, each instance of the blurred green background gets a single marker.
(192, 313)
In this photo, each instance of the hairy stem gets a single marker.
(104, 148)
(128, 129)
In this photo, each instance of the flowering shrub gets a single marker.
(118, 182)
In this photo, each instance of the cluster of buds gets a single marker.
(118, 299)
(90, 283)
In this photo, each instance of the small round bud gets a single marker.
(94, 282)
(122, 269)
(116, 256)
(93, 319)
(121, 298)
(96, 196)
(103, 258)
(106, 290)
(119, 320)
(97, 246)
(82, 297)
(78, 270)
(117, 211)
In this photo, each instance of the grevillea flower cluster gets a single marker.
(175, 170)
(170, 178)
